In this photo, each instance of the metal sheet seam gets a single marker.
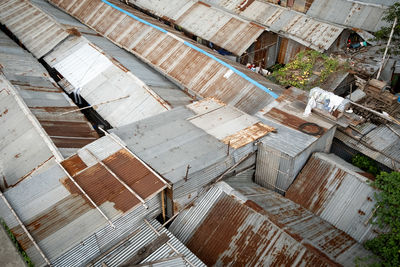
(241, 74)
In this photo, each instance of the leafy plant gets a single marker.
(17, 245)
(299, 72)
(383, 34)
(365, 164)
(387, 245)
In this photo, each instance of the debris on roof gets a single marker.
(339, 193)
(283, 153)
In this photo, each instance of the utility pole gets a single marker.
(387, 47)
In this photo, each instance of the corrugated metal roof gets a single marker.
(26, 22)
(353, 14)
(286, 116)
(45, 99)
(337, 192)
(318, 35)
(378, 2)
(166, 89)
(59, 217)
(201, 71)
(171, 261)
(114, 92)
(283, 153)
(221, 28)
(24, 146)
(380, 144)
(227, 123)
(255, 226)
(99, 183)
(164, 256)
(172, 140)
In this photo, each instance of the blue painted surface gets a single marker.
(241, 74)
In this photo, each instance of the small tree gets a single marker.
(387, 245)
(383, 34)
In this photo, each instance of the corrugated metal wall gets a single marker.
(277, 170)
(288, 50)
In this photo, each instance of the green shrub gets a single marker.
(365, 164)
(387, 246)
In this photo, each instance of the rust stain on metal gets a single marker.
(67, 131)
(313, 186)
(73, 164)
(55, 109)
(212, 238)
(68, 128)
(310, 184)
(287, 119)
(4, 112)
(243, 5)
(204, 4)
(321, 256)
(32, 171)
(73, 31)
(251, 204)
(248, 135)
(368, 175)
(337, 244)
(101, 186)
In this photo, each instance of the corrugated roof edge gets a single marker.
(241, 74)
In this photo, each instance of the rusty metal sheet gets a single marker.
(66, 205)
(255, 226)
(227, 124)
(290, 120)
(219, 27)
(102, 186)
(318, 35)
(338, 192)
(173, 54)
(248, 135)
(27, 22)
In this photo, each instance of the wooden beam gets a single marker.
(146, 250)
